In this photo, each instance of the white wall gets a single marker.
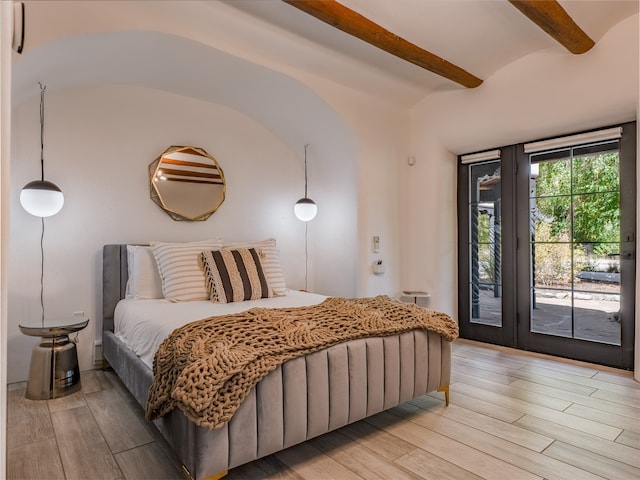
(98, 143)
(94, 134)
(382, 133)
(547, 93)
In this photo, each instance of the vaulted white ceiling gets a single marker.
(481, 36)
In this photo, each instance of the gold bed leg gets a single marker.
(445, 389)
(217, 476)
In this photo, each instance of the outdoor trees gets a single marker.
(575, 200)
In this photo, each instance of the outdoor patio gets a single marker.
(595, 313)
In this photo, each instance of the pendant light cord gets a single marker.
(305, 169)
(42, 270)
(306, 227)
(306, 256)
(42, 89)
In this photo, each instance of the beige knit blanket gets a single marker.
(206, 368)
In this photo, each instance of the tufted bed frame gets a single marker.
(302, 399)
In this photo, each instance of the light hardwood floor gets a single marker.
(513, 415)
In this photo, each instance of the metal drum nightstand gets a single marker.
(54, 370)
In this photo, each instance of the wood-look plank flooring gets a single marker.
(513, 415)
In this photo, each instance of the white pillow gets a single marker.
(270, 262)
(144, 279)
(182, 275)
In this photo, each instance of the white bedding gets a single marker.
(144, 324)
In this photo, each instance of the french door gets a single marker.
(547, 247)
(486, 245)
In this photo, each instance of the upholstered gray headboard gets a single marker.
(114, 281)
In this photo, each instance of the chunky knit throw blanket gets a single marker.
(206, 368)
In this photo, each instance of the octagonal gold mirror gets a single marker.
(187, 183)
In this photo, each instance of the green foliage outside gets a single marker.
(553, 262)
(596, 189)
(484, 229)
(591, 220)
(485, 249)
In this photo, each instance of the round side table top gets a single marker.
(415, 293)
(53, 327)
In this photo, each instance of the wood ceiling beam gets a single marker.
(553, 19)
(351, 22)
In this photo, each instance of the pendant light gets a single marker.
(41, 198)
(305, 208)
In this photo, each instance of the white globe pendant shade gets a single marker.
(41, 198)
(305, 209)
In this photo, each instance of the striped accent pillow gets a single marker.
(270, 262)
(180, 270)
(234, 275)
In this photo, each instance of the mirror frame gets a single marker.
(155, 171)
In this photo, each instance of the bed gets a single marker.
(301, 399)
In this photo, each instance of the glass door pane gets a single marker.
(574, 217)
(485, 244)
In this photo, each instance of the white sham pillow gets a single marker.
(270, 262)
(144, 279)
(182, 275)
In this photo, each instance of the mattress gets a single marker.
(142, 325)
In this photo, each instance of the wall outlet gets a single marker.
(79, 313)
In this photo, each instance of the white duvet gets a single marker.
(144, 324)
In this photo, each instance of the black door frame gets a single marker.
(515, 330)
(612, 355)
(505, 335)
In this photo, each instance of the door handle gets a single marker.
(628, 255)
